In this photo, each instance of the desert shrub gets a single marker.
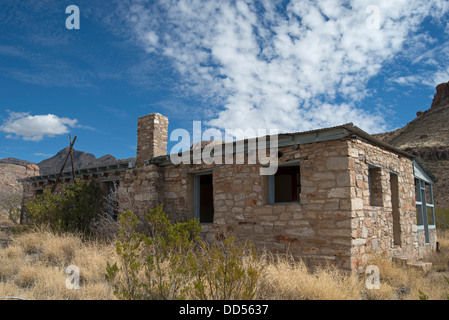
(170, 262)
(154, 266)
(128, 245)
(73, 209)
(226, 270)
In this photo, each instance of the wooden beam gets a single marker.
(53, 188)
(71, 156)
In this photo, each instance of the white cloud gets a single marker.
(430, 67)
(281, 67)
(40, 154)
(408, 80)
(35, 128)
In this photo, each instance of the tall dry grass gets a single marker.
(33, 264)
(288, 279)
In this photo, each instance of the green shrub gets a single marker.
(125, 278)
(156, 266)
(72, 209)
(169, 255)
(172, 263)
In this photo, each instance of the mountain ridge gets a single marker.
(53, 164)
(427, 136)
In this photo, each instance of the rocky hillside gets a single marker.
(15, 161)
(427, 136)
(10, 187)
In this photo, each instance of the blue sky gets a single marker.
(287, 65)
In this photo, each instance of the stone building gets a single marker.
(339, 195)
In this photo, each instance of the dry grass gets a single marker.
(33, 266)
(286, 279)
(440, 260)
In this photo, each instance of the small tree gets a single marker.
(73, 209)
(125, 279)
(170, 254)
(172, 263)
(157, 265)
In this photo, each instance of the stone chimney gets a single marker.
(152, 135)
(441, 95)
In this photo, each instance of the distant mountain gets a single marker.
(81, 160)
(427, 136)
(53, 165)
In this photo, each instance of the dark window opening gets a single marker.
(285, 185)
(375, 187)
(204, 198)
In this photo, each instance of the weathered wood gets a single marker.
(53, 188)
(71, 156)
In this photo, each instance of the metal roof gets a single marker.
(284, 139)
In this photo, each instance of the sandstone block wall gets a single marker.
(372, 225)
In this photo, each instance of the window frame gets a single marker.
(272, 186)
(421, 203)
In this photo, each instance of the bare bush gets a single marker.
(117, 201)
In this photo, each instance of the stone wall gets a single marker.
(372, 225)
(326, 203)
(152, 136)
